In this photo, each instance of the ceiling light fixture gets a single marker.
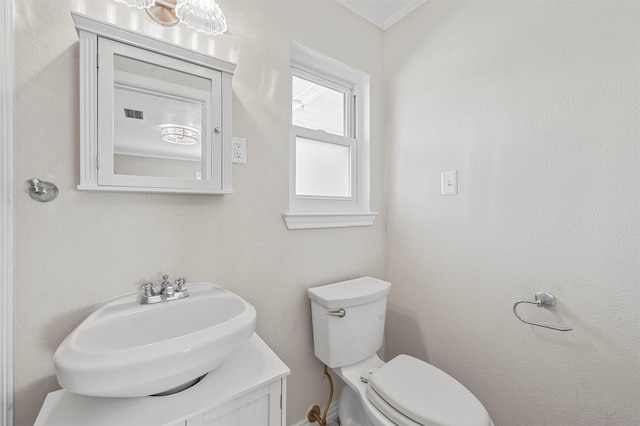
(201, 15)
(179, 135)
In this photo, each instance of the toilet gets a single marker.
(348, 327)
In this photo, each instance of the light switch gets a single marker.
(449, 182)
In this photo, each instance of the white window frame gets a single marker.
(307, 212)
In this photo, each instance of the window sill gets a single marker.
(328, 220)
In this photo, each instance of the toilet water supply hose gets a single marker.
(313, 413)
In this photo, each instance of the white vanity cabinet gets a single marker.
(260, 407)
(247, 390)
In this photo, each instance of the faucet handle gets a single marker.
(181, 284)
(148, 289)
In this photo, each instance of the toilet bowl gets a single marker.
(348, 325)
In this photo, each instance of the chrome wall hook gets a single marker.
(42, 191)
(542, 300)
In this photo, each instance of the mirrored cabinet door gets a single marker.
(156, 120)
(161, 119)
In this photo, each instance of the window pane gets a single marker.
(317, 107)
(322, 168)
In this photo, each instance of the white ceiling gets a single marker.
(382, 13)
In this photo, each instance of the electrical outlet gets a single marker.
(239, 150)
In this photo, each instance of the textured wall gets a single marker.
(86, 247)
(536, 104)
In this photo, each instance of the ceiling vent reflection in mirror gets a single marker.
(201, 15)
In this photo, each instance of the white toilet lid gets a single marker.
(424, 394)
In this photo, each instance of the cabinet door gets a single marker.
(261, 407)
(156, 120)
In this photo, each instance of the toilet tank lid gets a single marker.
(350, 293)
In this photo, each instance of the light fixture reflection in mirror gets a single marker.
(201, 15)
(179, 135)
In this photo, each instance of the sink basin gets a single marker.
(124, 349)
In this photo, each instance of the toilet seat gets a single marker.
(387, 410)
(411, 392)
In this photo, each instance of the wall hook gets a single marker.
(542, 300)
(42, 191)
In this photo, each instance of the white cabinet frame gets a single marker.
(89, 32)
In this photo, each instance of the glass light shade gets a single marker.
(140, 4)
(179, 135)
(202, 15)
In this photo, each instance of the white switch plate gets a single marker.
(450, 183)
(239, 150)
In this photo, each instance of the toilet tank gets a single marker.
(344, 340)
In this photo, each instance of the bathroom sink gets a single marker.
(125, 349)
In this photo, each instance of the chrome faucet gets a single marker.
(168, 291)
(166, 287)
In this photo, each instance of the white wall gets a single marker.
(85, 247)
(536, 104)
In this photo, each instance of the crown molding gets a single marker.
(381, 13)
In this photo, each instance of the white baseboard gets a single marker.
(332, 417)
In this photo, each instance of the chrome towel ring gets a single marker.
(543, 299)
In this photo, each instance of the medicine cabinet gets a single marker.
(154, 116)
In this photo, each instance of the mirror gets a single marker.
(158, 132)
(161, 114)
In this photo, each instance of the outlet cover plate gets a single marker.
(239, 150)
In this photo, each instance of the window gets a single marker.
(324, 137)
(329, 171)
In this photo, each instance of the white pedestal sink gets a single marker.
(124, 349)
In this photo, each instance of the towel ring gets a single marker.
(543, 299)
